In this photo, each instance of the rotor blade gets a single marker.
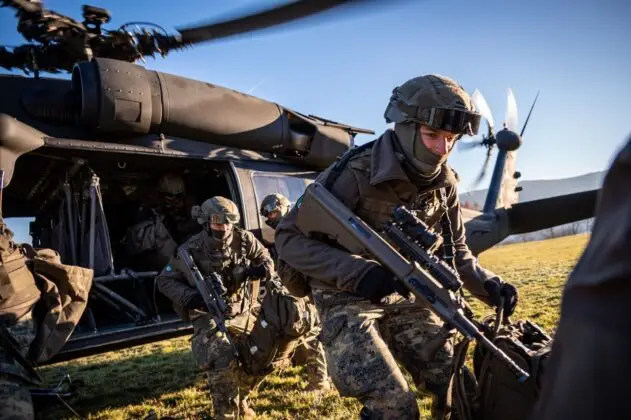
(264, 19)
(485, 167)
(511, 111)
(528, 117)
(464, 146)
(531, 216)
(480, 103)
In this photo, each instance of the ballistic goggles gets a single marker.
(223, 218)
(453, 120)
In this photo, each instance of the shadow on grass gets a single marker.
(119, 383)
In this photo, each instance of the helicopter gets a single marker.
(80, 154)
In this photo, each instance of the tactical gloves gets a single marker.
(378, 283)
(498, 289)
(256, 271)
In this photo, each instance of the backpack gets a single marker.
(282, 320)
(492, 391)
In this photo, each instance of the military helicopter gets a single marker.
(79, 155)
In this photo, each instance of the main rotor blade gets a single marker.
(511, 111)
(483, 107)
(528, 117)
(265, 19)
(531, 216)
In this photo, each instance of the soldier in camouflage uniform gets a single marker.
(273, 208)
(151, 241)
(236, 255)
(18, 294)
(405, 166)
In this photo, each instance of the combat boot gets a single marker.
(317, 370)
(224, 391)
(245, 411)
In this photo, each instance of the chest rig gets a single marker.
(426, 206)
(229, 262)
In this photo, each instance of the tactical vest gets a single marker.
(231, 264)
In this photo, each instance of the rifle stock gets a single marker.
(215, 304)
(319, 212)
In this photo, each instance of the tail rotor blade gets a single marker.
(511, 111)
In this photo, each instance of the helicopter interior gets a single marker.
(82, 208)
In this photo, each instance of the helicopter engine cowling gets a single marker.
(125, 98)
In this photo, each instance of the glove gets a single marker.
(497, 289)
(256, 271)
(195, 301)
(378, 283)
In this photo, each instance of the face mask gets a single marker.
(220, 235)
(272, 223)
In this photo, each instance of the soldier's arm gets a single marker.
(471, 273)
(172, 283)
(319, 260)
(259, 255)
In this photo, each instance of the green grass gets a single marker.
(163, 376)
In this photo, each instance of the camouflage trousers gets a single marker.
(363, 343)
(15, 397)
(310, 352)
(229, 385)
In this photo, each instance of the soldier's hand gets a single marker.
(195, 301)
(379, 283)
(498, 289)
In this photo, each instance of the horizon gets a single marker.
(345, 69)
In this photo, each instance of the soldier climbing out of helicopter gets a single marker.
(159, 229)
(273, 208)
(264, 335)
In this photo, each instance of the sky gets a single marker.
(576, 53)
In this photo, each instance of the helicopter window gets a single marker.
(291, 186)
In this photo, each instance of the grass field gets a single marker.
(163, 377)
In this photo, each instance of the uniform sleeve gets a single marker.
(589, 366)
(471, 273)
(259, 255)
(316, 259)
(171, 282)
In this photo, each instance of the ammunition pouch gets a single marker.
(492, 392)
(282, 320)
(18, 289)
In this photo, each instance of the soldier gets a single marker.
(152, 240)
(18, 294)
(273, 208)
(589, 366)
(236, 255)
(405, 166)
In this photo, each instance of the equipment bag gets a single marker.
(493, 392)
(282, 320)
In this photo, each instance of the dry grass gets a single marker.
(163, 377)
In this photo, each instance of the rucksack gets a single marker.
(491, 391)
(282, 320)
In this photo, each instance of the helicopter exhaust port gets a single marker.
(125, 98)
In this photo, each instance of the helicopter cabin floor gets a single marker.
(82, 203)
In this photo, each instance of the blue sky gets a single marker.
(576, 53)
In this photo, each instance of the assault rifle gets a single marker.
(433, 282)
(211, 288)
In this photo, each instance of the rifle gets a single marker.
(429, 280)
(211, 288)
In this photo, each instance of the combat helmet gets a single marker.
(433, 100)
(275, 202)
(171, 184)
(218, 210)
